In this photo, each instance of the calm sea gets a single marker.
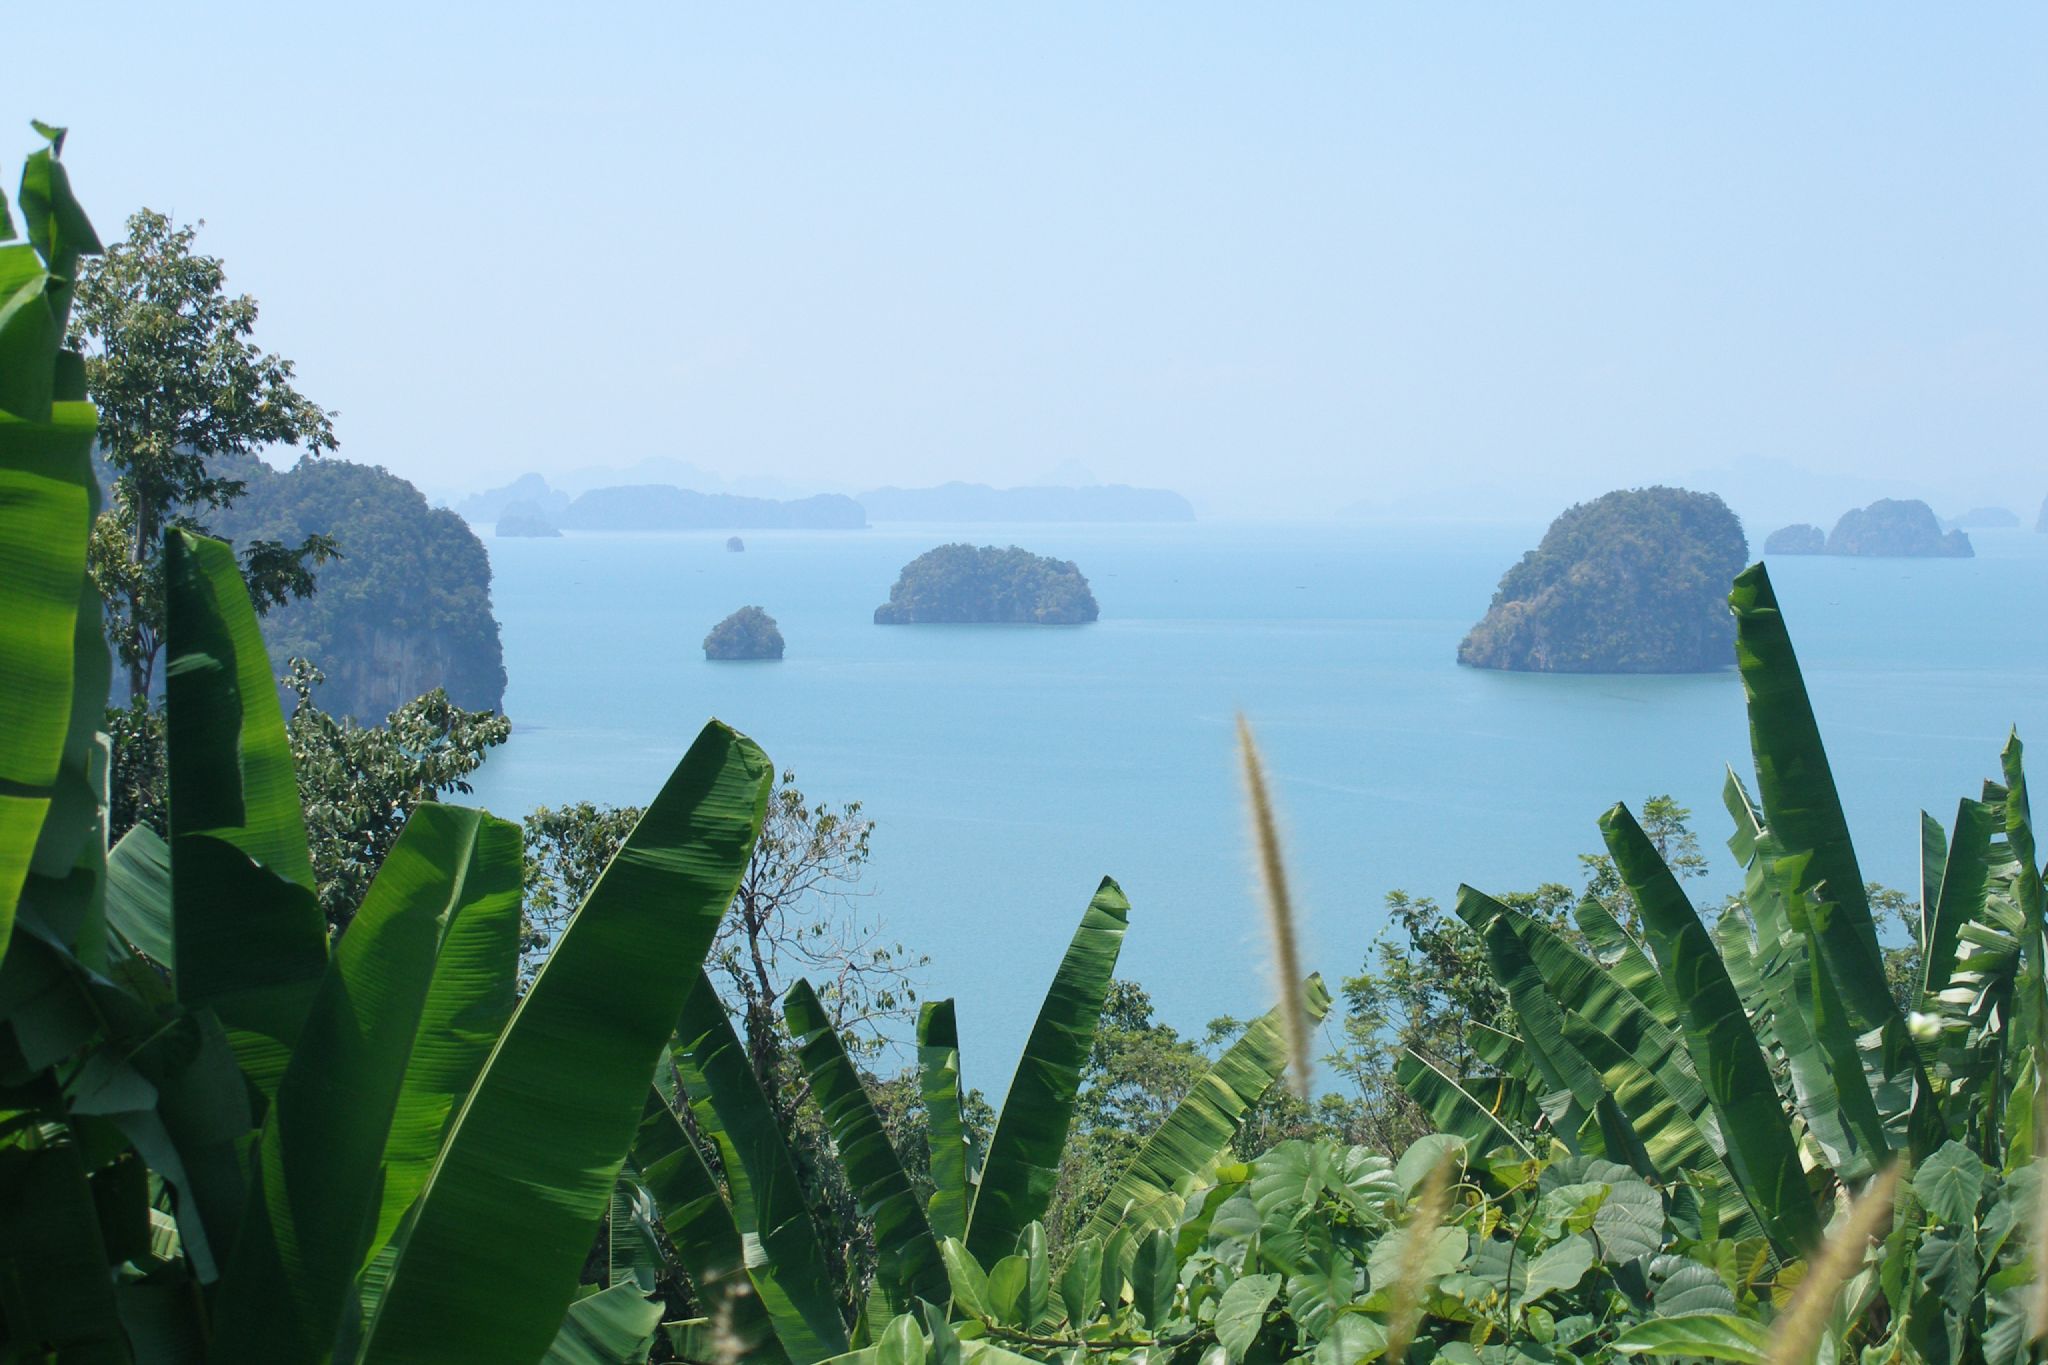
(1008, 768)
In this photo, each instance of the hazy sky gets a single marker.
(1280, 257)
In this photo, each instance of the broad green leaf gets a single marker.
(1155, 1273)
(1478, 1109)
(1009, 1292)
(1024, 1155)
(1710, 1336)
(53, 660)
(1760, 1151)
(1798, 1007)
(1542, 1039)
(1424, 1155)
(58, 1292)
(769, 1204)
(45, 518)
(1151, 1190)
(614, 1326)
(1804, 812)
(1443, 1252)
(2030, 991)
(139, 894)
(700, 1227)
(1558, 1268)
(938, 1056)
(907, 1255)
(1933, 867)
(250, 940)
(319, 1161)
(469, 1001)
(1081, 1282)
(1242, 1312)
(230, 765)
(901, 1343)
(1950, 1183)
(1967, 877)
(510, 1209)
(968, 1280)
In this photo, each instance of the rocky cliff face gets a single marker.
(407, 607)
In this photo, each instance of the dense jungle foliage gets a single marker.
(608, 1088)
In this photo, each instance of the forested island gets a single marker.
(1801, 538)
(526, 519)
(957, 501)
(1897, 528)
(960, 583)
(749, 633)
(406, 605)
(661, 507)
(1635, 581)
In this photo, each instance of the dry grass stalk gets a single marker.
(1279, 912)
(1797, 1332)
(1404, 1314)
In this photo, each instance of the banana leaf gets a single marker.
(700, 1226)
(250, 940)
(1460, 1107)
(1150, 1192)
(1024, 1155)
(769, 1204)
(1804, 813)
(1760, 1149)
(908, 1266)
(1564, 1070)
(1807, 1021)
(938, 1056)
(1624, 960)
(2030, 991)
(490, 1262)
(318, 1171)
(614, 1326)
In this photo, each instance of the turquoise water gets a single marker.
(1008, 768)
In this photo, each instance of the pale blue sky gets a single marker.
(1279, 257)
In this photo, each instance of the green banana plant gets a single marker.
(227, 1138)
(1762, 1051)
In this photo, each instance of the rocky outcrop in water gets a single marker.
(749, 633)
(1897, 528)
(526, 519)
(962, 584)
(1801, 538)
(1635, 581)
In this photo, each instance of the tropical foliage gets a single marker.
(240, 1126)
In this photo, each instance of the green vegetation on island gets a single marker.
(1801, 538)
(960, 583)
(1631, 582)
(1900, 528)
(749, 633)
(526, 519)
(735, 545)
(403, 608)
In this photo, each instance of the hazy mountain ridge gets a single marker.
(970, 502)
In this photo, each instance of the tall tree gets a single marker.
(170, 363)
